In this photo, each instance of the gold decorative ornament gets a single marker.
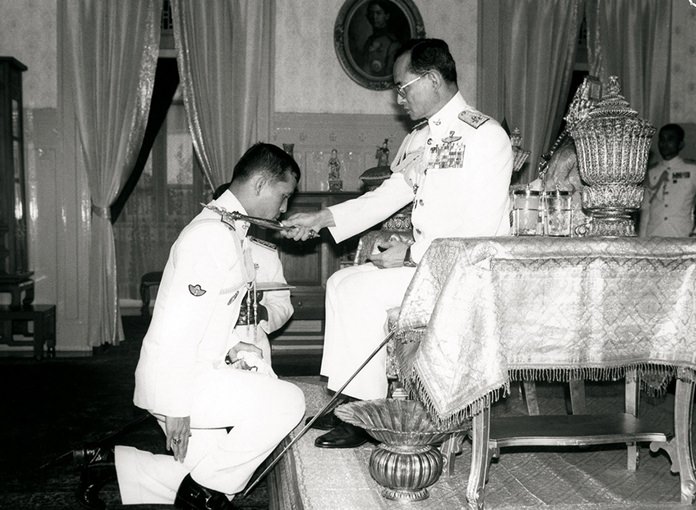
(612, 145)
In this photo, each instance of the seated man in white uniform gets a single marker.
(455, 167)
(220, 421)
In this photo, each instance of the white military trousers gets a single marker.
(262, 410)
(357, 300)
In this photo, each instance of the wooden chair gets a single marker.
(44, 319)
(147, 281)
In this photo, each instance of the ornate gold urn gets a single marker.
(612, 145)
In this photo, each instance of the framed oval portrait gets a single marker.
(367, 35)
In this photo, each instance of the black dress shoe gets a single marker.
(96, 470)
(326, 421)
(343, 436)
(193, 496)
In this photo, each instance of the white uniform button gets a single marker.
(420, 201)
(419, 232)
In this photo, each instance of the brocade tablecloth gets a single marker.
(482, 312)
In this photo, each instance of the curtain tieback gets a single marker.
(102, 212)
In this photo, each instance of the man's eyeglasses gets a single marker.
(401, 89)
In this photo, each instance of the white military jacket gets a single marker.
(204, 281)
(668, 206)
(456, 168)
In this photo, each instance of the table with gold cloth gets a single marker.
(480, 313)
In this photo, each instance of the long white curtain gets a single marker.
(113, 49)
(539, 39)
(631, 39)
(224, 58)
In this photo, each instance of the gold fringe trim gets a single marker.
(654, 379)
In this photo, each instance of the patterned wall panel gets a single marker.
(309, 77)
(683, 76)
(29, 35)
(683, 72)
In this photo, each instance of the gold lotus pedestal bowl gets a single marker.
(406, 461)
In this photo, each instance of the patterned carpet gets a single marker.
(590, 478)
(56, 405)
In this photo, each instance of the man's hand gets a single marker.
(178, 430)
(392, 254)
(307, 225)
(242, 346)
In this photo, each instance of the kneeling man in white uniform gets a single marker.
(455, 168)
(221, 420)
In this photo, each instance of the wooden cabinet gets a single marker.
(13, 225)
(307, 265)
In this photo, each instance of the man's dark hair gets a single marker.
(676, 129)
(267, 158)
(220, 190)
(430, 55)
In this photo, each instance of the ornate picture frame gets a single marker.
(367, 33)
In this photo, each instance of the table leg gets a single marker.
(16, 300)
(7, 331)
(577, 396)
(679, 447)
(451, 447)
(632, 400)
(530, 397)
(39, 336)
(683, 407)
(51, 335)
(28, 295)
(480, 459)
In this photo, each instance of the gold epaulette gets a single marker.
(473, 118)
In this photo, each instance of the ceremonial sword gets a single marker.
(316, 416)
(254, 220)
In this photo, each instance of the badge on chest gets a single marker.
(448, 154)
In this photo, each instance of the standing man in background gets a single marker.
(670, 189)
(455, 167)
